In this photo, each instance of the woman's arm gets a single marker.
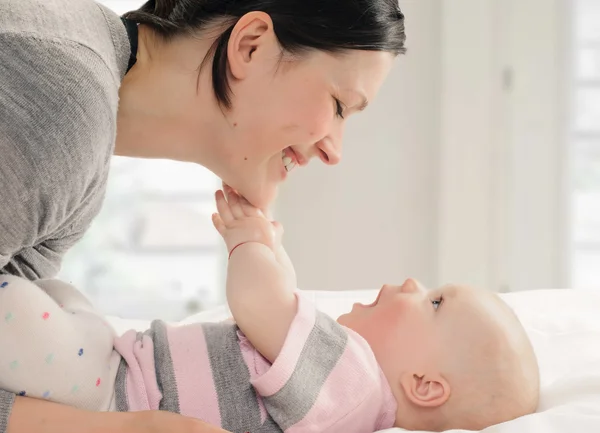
(41, 416)
(33, 415)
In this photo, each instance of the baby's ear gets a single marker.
(425, 390)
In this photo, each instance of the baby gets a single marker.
(422, 360)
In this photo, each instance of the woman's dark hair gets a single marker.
(327, 25)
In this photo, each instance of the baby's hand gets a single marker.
(239, 222)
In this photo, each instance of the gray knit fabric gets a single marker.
(61, 64)
(6, 402)
(165, 374)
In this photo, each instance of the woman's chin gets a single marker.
(260, 197)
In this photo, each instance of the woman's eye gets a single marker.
(339, 108)
(437, 302)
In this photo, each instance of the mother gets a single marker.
(250, 89)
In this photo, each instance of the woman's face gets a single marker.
(285, 118)
(286, 111)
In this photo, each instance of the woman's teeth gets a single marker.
(288, 163)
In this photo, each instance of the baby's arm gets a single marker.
(260, 289)
(55, 346)
(283, 259)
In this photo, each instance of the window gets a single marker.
(152, 252)
(585, 146)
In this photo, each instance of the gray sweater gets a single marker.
(61, 65)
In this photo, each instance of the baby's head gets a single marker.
(455, 357)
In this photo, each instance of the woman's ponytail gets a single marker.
(164, 8)
(156, 13)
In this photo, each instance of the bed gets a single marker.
(564, 326)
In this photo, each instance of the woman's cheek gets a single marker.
(319, 124)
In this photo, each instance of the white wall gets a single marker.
(469, 78)
(537, 39)
(502, 213)
(455, 172)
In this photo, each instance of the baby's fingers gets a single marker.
(219, 224)
(233, 197)
(227, 190)
(249, 209)
(235, 205)
(223, 208)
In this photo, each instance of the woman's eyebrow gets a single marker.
(364, 102)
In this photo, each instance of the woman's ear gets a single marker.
(425, 390)
(251, 38)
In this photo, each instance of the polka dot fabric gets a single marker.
(55, 346)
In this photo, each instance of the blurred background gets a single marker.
(478, 163)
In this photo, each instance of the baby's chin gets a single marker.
(355, 316)
(344, 319)
(350, 321)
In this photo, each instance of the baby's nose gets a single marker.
(410, 286)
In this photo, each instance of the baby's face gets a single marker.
(410, 328)
(458, 341)
(402, 321)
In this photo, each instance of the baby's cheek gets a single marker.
(401, 326)
(394, 314)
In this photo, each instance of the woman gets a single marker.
(250, 89)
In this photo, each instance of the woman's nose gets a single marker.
(330, 151)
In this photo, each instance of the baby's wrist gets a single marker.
(239, 244)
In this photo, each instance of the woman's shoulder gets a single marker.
(82, 23)
(60, 88)
(58, 106)
(58, 103)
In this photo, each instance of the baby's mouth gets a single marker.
(376, 301)
(289, 159)
(372, 304)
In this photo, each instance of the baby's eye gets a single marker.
(437, 302)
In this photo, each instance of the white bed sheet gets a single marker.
(564, 326)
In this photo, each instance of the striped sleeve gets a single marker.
(325, 379)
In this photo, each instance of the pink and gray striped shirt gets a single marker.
(325, 379)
